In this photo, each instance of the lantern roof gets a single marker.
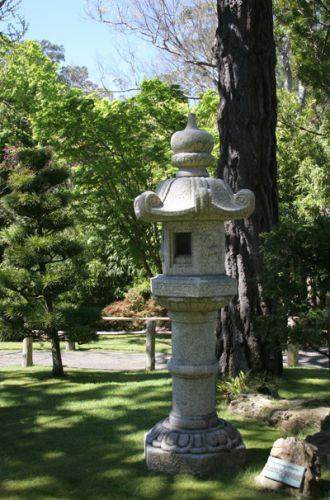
(192, 194)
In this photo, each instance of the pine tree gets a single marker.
(42, 259)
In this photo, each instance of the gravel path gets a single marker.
(98, 360)
(104, 360)
(310, 358)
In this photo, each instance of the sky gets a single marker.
(65, 22)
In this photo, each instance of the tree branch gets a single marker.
(325, 42)
(289, 125)
(320, 2)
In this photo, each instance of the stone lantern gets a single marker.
(192, 208)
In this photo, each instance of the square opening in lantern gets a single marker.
(182, 247)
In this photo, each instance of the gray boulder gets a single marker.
(298, 452)
(289, 415)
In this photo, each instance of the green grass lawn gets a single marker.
(313, 383)
(135, 342)
(82, 437)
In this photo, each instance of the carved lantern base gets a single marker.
(200, 452)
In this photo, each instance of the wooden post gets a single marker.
(70, 345)
(27, 349)
(293, 349)
(150, 345)
(293, 355)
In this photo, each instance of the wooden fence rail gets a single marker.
(150, 331)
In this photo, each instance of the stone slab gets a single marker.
(210, 286)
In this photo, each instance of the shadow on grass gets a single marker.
(296, 382)
(89, 376)
(82, 438)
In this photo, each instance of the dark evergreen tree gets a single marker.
(42, 259)
(296, 276)
(245, 52)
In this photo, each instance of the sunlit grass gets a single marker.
(305, 382)
(14, 346)
(82, 438)
(135, 342)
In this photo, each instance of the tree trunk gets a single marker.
(53, 334)
(56, 356)
(285, 53)
(245, 52)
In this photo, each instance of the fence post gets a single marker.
(27, 349)
(293, 355)
(70, 345)
(293, 349)
(150, 344)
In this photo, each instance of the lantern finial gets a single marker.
(192, 149)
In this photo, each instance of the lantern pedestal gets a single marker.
(193, 439)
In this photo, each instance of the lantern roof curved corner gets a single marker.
(192, 194)
(193, 198)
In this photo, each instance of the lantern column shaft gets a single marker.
(193, 366)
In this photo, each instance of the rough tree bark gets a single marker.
(245, 53)
(56, 357)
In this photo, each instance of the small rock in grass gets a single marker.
(298, 452)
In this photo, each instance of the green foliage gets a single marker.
(126, 151)
(207, 115)
(234, 385)
(28, 82)
(295, 277)
(303, 160)
(118, 149)
(295, 253)
(245, 383)
(311, 327)
(306, 24)
(37, 274)
(143, 288)
(107, 274)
